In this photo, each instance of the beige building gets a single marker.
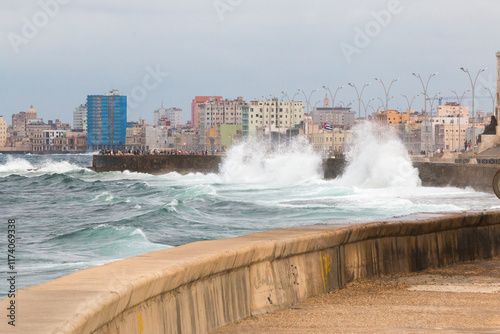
(3, 132)
(271, 115)
(453, 109)
(135, 138)
(19, 124)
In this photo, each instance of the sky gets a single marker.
(56, 52)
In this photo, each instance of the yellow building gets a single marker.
(3, 132)
(391, 117)
(322, 141)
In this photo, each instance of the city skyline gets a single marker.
(173, 52)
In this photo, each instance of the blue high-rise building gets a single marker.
(106, 121)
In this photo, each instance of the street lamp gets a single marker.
(493, 99)
(386, 91)
(308, 100)
(473, 84)
(365, 106)
(292, 110)
(424, 87)
(333, 96)
(431, 102)
(409, 110)
(359, 95)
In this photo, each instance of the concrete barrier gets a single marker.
(478, 176)
(157, 164)
(201, 286)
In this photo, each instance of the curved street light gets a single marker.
(473, 84)
(292, 111)
(359, 94)
(493, 98)
(426, 97)
(365, 106)
(386, 91)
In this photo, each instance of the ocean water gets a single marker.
(69, 218)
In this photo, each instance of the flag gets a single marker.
(327, 126)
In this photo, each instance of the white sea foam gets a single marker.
(16, 165)
(378, 159)
(250, 163)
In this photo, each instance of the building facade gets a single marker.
(271, 116)
(174, 115)
(195, 108)
(3, 132)
(106, 121)
(215, 113)
(80, 118)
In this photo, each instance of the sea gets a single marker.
(69, 218)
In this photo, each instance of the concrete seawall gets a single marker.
(157, 164)
(201, 286)
(478, 177)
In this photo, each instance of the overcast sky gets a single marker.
(170, 51)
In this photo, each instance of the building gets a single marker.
(444, 132)
(195, 108)
(106, 121)
(53, 140)
(3, 132)
(135, 138)
(34, 131)
(452, 109)
(217, 112)
(391, 117)
(74, 141)
(158, 137)
(336, 116)
(173, 115)
(31, 113)
(19, 124)
(80, 118)
(271, 116)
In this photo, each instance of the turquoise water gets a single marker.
(69, 218)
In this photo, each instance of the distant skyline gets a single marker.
(56, 52)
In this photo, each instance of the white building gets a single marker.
(158, 137)
(271, 115)
(80, 118)
(172, 114)
(444, 132)
(50, 139)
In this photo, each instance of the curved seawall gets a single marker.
(201, 286)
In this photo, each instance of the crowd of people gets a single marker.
(156, 152)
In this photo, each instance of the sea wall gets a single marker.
(201, 286)
(476, 176)
(157, 164)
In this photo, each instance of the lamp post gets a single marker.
(473, 84)
(431, 102)
(424, 87)
(459, 100)
(292, 111)
(409, 110)
(308, 101)
(333, 96)
(493, 99)
(269, 121)
(386, 91)
(365, 106)
(359, 94)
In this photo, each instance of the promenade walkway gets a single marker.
(458, 299)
